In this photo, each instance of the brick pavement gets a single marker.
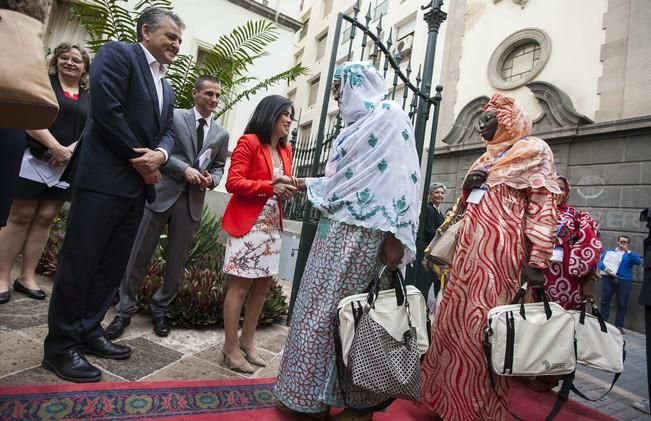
(195, 354)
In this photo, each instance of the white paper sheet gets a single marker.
(40, 171)
(204, 159)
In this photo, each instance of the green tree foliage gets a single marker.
(230, 59)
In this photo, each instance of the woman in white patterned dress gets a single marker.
(253, 221)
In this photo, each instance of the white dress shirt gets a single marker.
(157, 73)
(197, 116)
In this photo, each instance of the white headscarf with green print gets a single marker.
(372, 175)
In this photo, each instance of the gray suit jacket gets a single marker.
(185, 154)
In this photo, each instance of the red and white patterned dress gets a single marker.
(508, 229)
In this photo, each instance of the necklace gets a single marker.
(275, 159)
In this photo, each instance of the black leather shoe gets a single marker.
(5, 297)
(161, 326)
(36, 294)
(101, 347)
(117, 326)
(72, 366)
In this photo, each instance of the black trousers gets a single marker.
(13, 147)
(647, 331)
(99, 236)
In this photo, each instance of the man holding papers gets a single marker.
(196, 164)
(616, 268)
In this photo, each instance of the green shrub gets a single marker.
(200, 299)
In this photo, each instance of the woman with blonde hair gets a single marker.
(36, 203)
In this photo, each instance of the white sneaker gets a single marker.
(642, 405)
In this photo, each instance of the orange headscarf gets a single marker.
(514, 157)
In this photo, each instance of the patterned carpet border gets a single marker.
(133, 401)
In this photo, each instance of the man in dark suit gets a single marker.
(196, 164)
(645, 300)
(128, 136)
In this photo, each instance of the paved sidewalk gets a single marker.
(196, 354)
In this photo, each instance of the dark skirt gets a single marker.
(33, 190)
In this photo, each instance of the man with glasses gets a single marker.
(616, 268)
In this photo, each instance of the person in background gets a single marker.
(507, 234)
(572, 272)
(253, 221)
(369, 203)
(433, 219)
(645, 300)
(616, 266)
(179, 202)
(35, 203)
(129, 135)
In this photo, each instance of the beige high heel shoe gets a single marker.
(245, 367)
(254, 359)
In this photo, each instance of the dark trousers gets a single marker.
(647, 332)
(180, 228)
(99, 236)
(621, 289)
(13, 147)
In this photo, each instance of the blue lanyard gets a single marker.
(562, 224)
(490, 165)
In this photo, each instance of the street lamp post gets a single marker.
(434, 17)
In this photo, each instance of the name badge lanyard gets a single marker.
(562, 224)
(477, 194)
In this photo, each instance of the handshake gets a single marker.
(285, 186)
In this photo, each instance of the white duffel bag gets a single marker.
(388, 311)
(535, 339)
(599, 344)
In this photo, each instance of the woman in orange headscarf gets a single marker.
(508, 232)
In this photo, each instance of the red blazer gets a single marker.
(249, 179)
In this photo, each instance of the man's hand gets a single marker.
(206, 180)
(151, 177)
(192, 176)
(149, 161)
(534, 276)
(474, 179)
(392, 252)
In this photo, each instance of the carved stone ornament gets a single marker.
(558, 109)
(558, 112)
(465, 129)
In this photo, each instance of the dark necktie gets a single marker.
(202, 122)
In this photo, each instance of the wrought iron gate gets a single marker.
(310, 155)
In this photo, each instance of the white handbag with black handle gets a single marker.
(534, 339)
(599, 344)
(387, 311)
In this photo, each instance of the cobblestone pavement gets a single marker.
(196, 354)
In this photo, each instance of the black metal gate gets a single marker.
(310, 155)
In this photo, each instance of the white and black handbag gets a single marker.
(533, 339)
(599, 345)
(384, 353)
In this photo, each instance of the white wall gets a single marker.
(206, 22)
(575, 29)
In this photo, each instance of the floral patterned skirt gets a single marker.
(257, 253)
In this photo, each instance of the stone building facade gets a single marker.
(582, 69)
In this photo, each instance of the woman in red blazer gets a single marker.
(259, 178)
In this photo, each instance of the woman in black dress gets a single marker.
(36, 203)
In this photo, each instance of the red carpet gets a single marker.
(218, 400)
